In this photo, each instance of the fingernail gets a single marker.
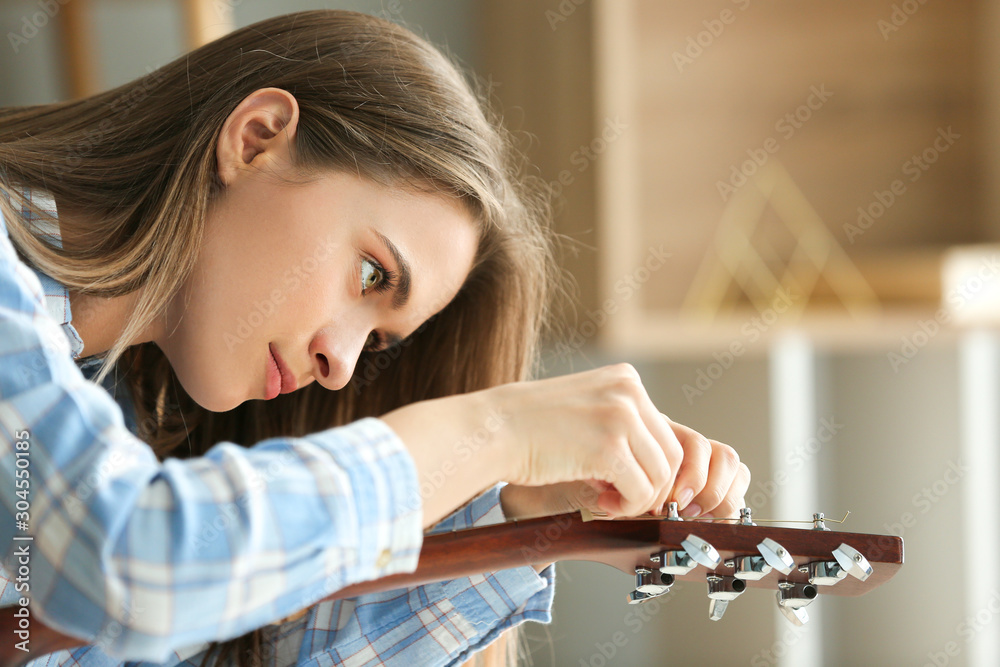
(691, 510)
(685, 497)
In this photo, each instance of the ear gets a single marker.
(260, 129)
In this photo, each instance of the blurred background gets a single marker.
(783, 214)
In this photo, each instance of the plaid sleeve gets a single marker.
(431, 625)
(139, 557)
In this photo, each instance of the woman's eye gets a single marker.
(371, 274)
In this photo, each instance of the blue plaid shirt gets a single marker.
(150, 561)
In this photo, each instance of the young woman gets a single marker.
(307, 268)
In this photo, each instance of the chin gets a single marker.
(213, 399)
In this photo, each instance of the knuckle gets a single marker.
(702, 444)
(625, 369)
(625, 378)
(728, 456)
(616, 410)
(711, 497)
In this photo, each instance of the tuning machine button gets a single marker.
(849, 561)
(776, 556)
(696, 551)
(702, 552)
(722, 589)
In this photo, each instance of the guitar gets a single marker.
(728, 556)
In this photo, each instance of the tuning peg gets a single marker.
(824, 573)
(635, 597)
(696, 552)
(721, 591)
(746, 517)
(795, 595)
(701, 552)
(776, 556)
(750, 568)
(792, 598)
(851, 560)
(819, 521)
(652, 582)
(796, 615)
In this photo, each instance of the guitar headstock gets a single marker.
(732, 556)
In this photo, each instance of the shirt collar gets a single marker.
(56, 294)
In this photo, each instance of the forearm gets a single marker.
(455, 444)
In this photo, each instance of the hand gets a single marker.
(711, 482)
(598, 427)
(601, 428)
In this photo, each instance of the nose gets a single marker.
(334, 356)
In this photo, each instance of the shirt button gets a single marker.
(384, 558)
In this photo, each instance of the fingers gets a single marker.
(645, 469)
(694, 468)
(734, 500)
(664, 460)
(633, 490)
(725, 486)
(659, 452)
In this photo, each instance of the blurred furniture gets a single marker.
(204, 20)
(848, 153)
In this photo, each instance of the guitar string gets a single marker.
(650, 517)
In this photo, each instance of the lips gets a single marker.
(288, 382)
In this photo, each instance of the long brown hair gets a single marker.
(375, 100)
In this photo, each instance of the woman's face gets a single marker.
(314, 273)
